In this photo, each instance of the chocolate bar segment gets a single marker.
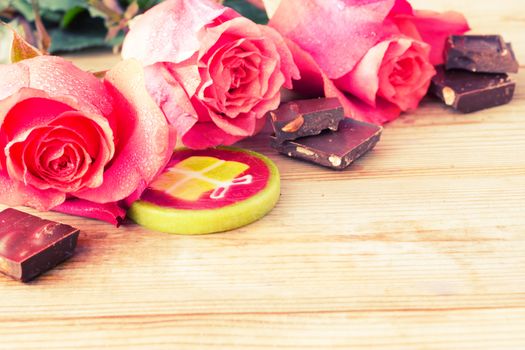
(305, 118)
(333, 149)
(30, 245)
(480, 53)
(469, 92)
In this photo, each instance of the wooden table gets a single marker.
(420, 245)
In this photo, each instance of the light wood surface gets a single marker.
(418, 246)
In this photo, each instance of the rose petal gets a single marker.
(169, 32)
(14, 193)
(363, 80)
(145, 145)
(288, 67)
(243, 125)
(433, 28)
(355, 27)
(205, 135)
(59, 77)
(109, 212)
(166, 90)
(14, 77)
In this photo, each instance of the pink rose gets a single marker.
(367, 57)
(396, 71)
(67, 136)
(213, 73)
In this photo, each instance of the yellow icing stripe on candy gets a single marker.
(192, 177)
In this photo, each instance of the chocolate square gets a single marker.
(480, 53)
(469, 92)
(30, 245)
(333, 149)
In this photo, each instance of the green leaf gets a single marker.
(145, 4)
(70, 16)
(61, 5)
(25, 8)
(63, 40)
(4, 4)
(248, 10)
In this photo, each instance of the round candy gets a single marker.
(207, 191)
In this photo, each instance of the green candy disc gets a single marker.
(208, 191)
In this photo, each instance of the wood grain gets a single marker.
(418, 246)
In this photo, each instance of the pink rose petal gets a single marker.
(109, 212)
(169, 32)
(288, 66)
(433, 28)
(355, 26)
(363, 80)
(15, 193)
(145, 145)
(14, 77)
(205, 135)
(59, 77)
(167, 91)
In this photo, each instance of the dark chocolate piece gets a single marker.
(305, 118)
(333, 149)
(469, 92)
(30, 245)
(480, 53)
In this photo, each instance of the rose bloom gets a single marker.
(66, 135)
(375, 56)
(396, 70)
(213, 73)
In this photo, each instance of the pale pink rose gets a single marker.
(370, 55)
(64, 134)
(214, 73)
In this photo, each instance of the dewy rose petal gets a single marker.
(65, 134)
(217, 73)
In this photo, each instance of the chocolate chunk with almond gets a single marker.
(333, 149)
(469, 92)
(301, 118)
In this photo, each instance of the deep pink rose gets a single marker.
(213, 73)
(368, 56)
(66, 135)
